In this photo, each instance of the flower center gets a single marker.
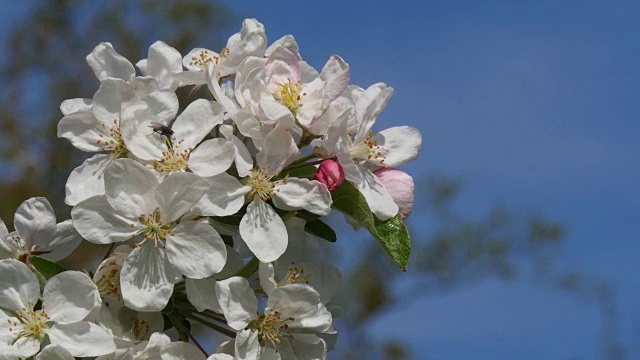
(368, 149)
(289, 95)
(139, 328)
(205, 58)
(109, 282)
(271, 327)
(261, 184)
(294, 275)
(113, 142)
(31, 323)
(155, 229)
(174, 159)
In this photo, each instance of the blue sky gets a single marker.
(536, 105)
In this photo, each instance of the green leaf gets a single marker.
(44, 269)
(302, 172)
(320, 229)
(392, 234)
(47, 268)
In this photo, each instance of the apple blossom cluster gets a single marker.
(212, 215)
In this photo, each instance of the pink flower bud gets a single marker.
(399, 184)
(330, 173)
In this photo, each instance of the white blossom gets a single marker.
(293, 313)
(136, 205)
(37, 233)
(67, 299)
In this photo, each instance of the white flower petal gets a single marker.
(119, 354)
(54, 352)
(87, 180)
(281, 68)
(247, 346)
(324, 278)
(335, 74)
(137, 133)
(147, 279)
(35, 221)
(181, 351)
(82, 339)
(3, 231)
(83, 130)
(190, 61)
(9, 248)
(154, 347)
(142, 65)
(272, 112)
(294, 300)
(402, 142)
(23, 347)
(302, 303)
(125, 324)
(263, 231)
(178, 193)
(242, 159)
(70, 296)
(287, 41)
(247, 123)
(306, 194)
(193, 77)
(196, 250)
(225, 196)
(238, 301)
(108, 101)
(162, 62)
(196, 121)
(202, 294)
(368, 106)
(96, 221)
(378, 198)
(106, 62)
(62, 243)
(216, 90)
(220, 357)
(212, 157)
(308, 347)
(163, 104)
(250, 41)
(74, 105)
(18, 285)
(267, 274)
(279, 148)
(130, 187)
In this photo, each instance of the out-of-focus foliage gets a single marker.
(43, 65)
(504, 244)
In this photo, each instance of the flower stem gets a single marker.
(109, 250)
(208, 324)
(297, 166)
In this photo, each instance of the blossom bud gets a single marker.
(330, 173)
(399, 184)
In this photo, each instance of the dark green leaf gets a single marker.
(320, 229)
(302, 172)
(391, 234)
(46, 268)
